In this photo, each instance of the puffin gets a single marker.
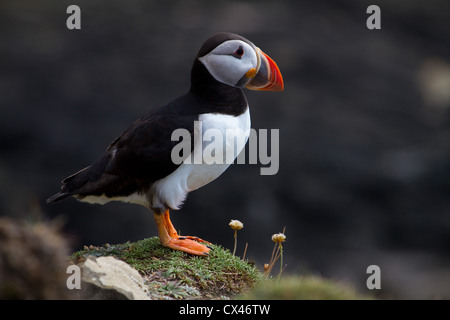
(138, 166)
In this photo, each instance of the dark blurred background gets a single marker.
(364, 128)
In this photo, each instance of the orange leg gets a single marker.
(170, 238)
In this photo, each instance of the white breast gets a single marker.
(191, 174)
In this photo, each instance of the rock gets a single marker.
(110, 278)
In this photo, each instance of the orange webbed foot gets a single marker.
(193, 238)
(187, 245)
(169, 237)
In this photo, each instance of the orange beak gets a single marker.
(268, 78)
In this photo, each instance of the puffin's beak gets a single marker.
(268, 77)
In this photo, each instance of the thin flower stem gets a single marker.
(245, 251)
(281, 260)
(273, 259)
(273, 252)
(235, 242)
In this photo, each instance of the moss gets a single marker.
(174, 274)
(302, 288)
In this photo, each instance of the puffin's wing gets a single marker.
(133, 161)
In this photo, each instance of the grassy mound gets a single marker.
(172, 274)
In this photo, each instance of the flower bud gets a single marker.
(236, 225)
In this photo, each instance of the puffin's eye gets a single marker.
(239, 52)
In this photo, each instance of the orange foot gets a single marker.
(170, 238)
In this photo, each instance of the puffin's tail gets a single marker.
(58, 197)
(69, 186)
(92, 180)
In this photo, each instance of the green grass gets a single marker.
(302, 288)
(172, 274)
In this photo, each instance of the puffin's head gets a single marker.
(237, 62)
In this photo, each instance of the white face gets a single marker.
(230, 61)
